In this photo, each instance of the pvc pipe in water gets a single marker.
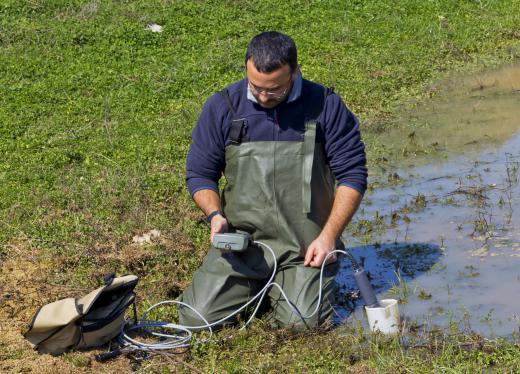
(384, 318)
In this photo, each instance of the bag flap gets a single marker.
(54, 315)
(129, 280)
(109, 309)
(87, 301)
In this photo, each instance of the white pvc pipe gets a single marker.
(384, 318)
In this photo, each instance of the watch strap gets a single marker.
(213, 214)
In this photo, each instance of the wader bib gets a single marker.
(280, 192)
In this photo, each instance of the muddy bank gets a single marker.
(466, 114)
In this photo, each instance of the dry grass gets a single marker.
(26, 284)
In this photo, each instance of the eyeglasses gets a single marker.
(277, 94)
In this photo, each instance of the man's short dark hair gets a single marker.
(271, 50)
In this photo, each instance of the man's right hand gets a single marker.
(219, 224)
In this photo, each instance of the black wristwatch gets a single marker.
(213, 214)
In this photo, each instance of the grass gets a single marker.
(95, 121)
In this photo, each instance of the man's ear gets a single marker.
(296, 71)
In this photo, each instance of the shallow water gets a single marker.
(467, 114)
(444, 237)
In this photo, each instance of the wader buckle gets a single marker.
(238, 131)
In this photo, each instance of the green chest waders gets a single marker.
(281, 192)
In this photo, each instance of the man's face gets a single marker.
(270, 89)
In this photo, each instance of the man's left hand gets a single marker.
(317, 252)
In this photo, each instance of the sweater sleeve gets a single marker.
(206, 160)
(343, 146)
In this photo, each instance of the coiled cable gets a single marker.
(181, 336)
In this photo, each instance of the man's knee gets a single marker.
(298, 322)
(203, 313)
(188, 317)
(308, 323)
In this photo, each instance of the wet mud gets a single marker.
(443, 236)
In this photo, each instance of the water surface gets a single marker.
(444, 236)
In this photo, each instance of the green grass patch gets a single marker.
(96, 113)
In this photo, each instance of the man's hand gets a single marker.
(346, 201)
(317, 252)
(218, 224)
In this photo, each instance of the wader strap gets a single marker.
(238, 125)
(309, 143)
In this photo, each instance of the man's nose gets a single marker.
(263, 97)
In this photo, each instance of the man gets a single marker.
(280, 141)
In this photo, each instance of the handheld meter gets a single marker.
(236, 242)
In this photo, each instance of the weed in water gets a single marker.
(400, 289)
(418, 202)
(481, 224)
(424, 295)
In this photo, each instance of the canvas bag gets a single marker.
(78, 323)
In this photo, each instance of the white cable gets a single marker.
(185, 333)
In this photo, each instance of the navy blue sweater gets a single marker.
(339, 131)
